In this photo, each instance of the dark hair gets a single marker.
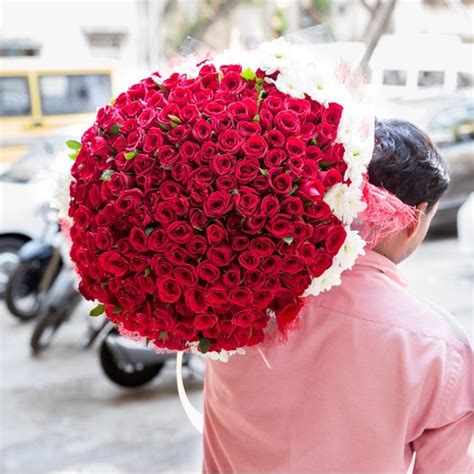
(407, 163)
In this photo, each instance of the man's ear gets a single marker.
(420, 215)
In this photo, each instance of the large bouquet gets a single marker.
(208, 203)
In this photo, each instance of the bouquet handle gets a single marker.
(194, 415)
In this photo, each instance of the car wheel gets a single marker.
(9, 247)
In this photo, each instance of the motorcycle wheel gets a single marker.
(45, 330)
(9, 247)
(128, 377)
(21, 296)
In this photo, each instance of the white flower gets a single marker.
(352, 247)
(331, 277)
(290, 83)
(222, 355)
(274, 55)
(345, 202)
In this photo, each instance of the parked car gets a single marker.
(25, 185)
(449, 121)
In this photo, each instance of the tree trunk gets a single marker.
(380, 22)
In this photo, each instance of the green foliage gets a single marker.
(98, 310)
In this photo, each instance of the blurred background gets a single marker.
(75, 397)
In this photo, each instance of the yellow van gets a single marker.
(36, 100)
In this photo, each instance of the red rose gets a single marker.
(169, 189)
(314, 152)
(197, 246)
(321, 262)
(243, 318)
(197, 218)
(216, 296)
(254, 224)
(163, 213)
(222, 122)
(230, 141)
(231, 277)
(208, 272)
(188, 150)
(335, 238)
(273, 103)
(82, 217)
(318, 210)
(218, 204)
(114, 263)
(205, 321)
(180, 232)
(177, 255)
(255, 146)
(287, 123)
(300, 107)
(239, 242)
(240, 296)
(262, 247)
(186, 275)
(332, 114)
(201, 131)
(307, 252)
(246, 202)
(232, 82)
(161, 266)
(280, 182)
(138, 239)
(292, 206)
(103, 238)
(216, 233)
(220, 255)
(275, 139)
(248, 260)
(292, 264)
(261, 299)
(246, 170)
(222, 164)
(271, 264)
(226, 183)
(168, 290)
(269, 206)
(295, 146)
(195, 299)
(332, 177)
(280, 226)
(326, 134)
(247, 129)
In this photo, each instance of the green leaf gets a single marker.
(259, 81)
(147, 271)
(115, 129)
(293, 189)
(175, 119)
(204, 344)
(157, 81)
(98, 310)
(261, 93)
(164, 126)
(131, 155)
(248, 74)
(73, 156)
(107, 174)
(73, 145)
(149, 230)
(234, 192)
(288, 240)
(313, 141)
(163, 335)
(117, 310)
(220, 76)
(263, 171)
(256, 118)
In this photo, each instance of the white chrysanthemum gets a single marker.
(345, 202)
(274, 55)
(61, 181)
(222, 355)
(318, 85)
(331, 277)
(352, 247)
(289, 82)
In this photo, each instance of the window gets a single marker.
(430, 78)
(394, 77)
(106, 44)
(465, 79)
(14, 97)
(73, 94)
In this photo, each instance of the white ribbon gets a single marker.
(195, 416)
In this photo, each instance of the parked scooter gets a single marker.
(40, 262)
(130, 364)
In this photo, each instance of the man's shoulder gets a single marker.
(373, 298)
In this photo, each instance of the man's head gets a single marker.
(407, 163)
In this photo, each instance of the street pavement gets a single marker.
(59, 414)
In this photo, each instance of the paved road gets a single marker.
(59, 414)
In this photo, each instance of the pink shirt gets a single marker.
(372, 375)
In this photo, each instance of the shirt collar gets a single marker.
(381, 264)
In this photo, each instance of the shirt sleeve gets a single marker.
(447, 446)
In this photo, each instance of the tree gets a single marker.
(380, 13)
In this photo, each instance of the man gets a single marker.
(373, 375)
